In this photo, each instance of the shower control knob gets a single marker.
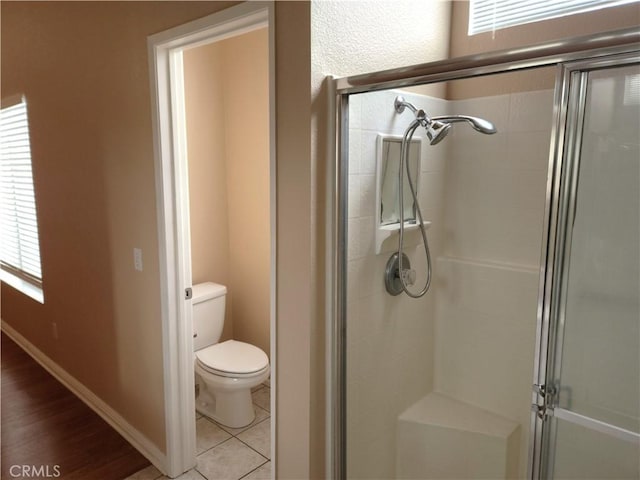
(409, 276)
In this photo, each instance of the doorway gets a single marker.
(184, 250)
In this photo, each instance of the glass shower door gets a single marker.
(592, 428)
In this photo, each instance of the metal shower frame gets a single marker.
(553, 53)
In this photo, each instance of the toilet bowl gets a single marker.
(225, 372)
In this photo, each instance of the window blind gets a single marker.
(632, 89)
(489, 15)
(19, 243)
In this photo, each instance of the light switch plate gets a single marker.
(137, 259)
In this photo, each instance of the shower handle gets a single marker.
(393, 277)
(409, 276)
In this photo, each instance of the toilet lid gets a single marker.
(233, 357)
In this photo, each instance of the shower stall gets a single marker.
(487, 268)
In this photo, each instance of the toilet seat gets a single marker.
(233, 359)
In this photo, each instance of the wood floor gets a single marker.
(45, 425)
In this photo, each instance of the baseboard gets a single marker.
(108, 414)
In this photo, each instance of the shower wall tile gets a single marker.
(477, 286)
(389, 338)
(353, 239)
(433, 156)
(528, 189)
(496, 184)
(479, 152)
(431, 191)
(485, 337)
(494, 109)
(528, 150)
(368, 158)
(354, 268)
(371, 280)
(366, 233)
(487, 281)
(431, 105)
(355, 111)
(531, 111)
(500, 188)
(368, 195)
(490, 235)
(355, 151)
(353, 207)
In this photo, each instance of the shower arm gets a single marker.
(421, 117)
(479, 124)
(453, 118)
(400, 104)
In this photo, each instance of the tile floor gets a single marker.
(229, 453)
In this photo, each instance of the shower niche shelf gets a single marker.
(388, 161)
(385, 231)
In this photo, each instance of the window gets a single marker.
(19, 242)
(489, 15)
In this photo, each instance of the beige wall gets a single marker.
(298, 414)
(226, 88)
(83, 67)
(204, 110)
(209, 219)
(538, 32)
(95, 187)
(246, 80)
(530, 34)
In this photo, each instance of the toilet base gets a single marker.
(227, 400)
(231, 409)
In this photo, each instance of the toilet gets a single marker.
(225, 372)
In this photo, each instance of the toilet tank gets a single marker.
(208, 303)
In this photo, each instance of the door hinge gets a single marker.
(547, 394)
(188, 293)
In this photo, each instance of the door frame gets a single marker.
(171, 176)
(570, 94)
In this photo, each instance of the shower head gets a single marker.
(479, 124)
(436, 131)
(438, 127)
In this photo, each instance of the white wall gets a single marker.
(363, 36)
